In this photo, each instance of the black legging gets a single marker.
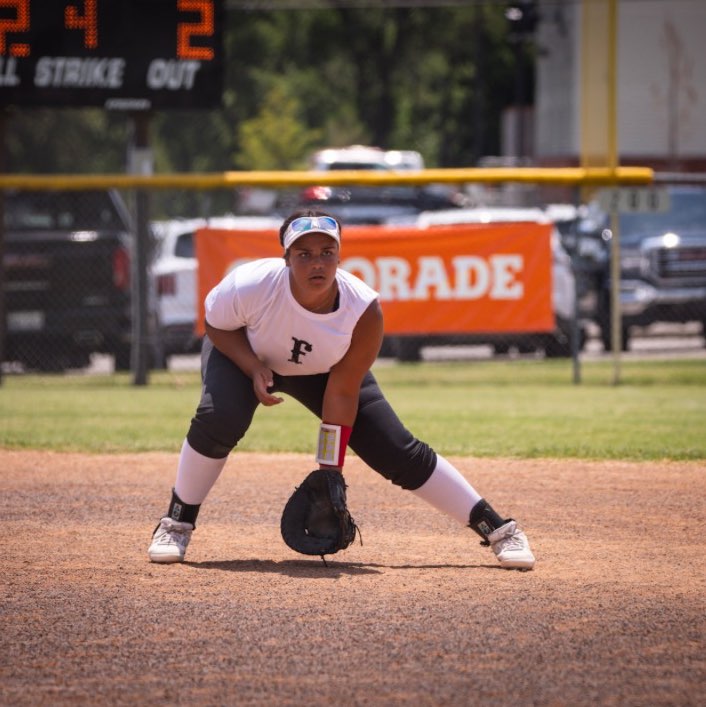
(228, 403)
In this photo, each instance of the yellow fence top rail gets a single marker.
(568, 176)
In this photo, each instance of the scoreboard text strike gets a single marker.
(118, 54)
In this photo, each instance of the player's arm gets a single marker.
(235, 345)
(340, 404)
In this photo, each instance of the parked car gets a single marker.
(662, 263)
(360, 204)
(175, 275)
(66, 278)
(364, 157)
(555, 344)
(589, 256)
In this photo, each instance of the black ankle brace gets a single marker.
(182, 512)
(484, 520)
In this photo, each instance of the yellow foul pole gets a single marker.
(613, 158)
(599, 132)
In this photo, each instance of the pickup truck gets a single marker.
(66, 278)
(662, 263)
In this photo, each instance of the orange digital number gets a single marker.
(88, 22)
(19, 24)
(202, 28)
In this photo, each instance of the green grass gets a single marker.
(515, 408)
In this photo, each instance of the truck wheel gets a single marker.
(607, 339)
(160, 361)
(56, 358)
(558, 346)
(79, 359)
(122, 358)
(49, 364)
(388, 348)
(409, 349)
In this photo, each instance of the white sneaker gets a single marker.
(170, 540)
(511, 547)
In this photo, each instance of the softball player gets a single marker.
(302, 326)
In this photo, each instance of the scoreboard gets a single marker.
(117, 54)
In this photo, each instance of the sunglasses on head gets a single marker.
(303, 224)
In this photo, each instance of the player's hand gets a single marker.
(262, 381)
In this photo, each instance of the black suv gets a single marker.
(662, 263)
(66, 278)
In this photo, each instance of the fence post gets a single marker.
(140, 162)
(616, 319)
(576, 268)
(3, 167)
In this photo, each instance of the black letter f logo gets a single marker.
(300, 348)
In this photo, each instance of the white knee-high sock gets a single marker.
(196, 475)
(447, 490)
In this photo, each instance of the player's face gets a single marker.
(313, 260)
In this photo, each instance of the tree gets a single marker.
(431, 79)
(275, 138)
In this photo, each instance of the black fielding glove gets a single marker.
(315, 520)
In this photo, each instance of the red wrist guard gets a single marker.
(333, 440)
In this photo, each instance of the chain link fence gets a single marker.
(66, 279)
(69, 270)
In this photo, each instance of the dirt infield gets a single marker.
(613, 614)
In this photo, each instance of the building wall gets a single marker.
(558, 85)
(661, 95)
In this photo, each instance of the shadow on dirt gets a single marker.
(316, 568)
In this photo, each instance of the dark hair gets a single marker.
(304, 212)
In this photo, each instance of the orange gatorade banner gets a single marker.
(466, 278)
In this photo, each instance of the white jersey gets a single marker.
(285, 336)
